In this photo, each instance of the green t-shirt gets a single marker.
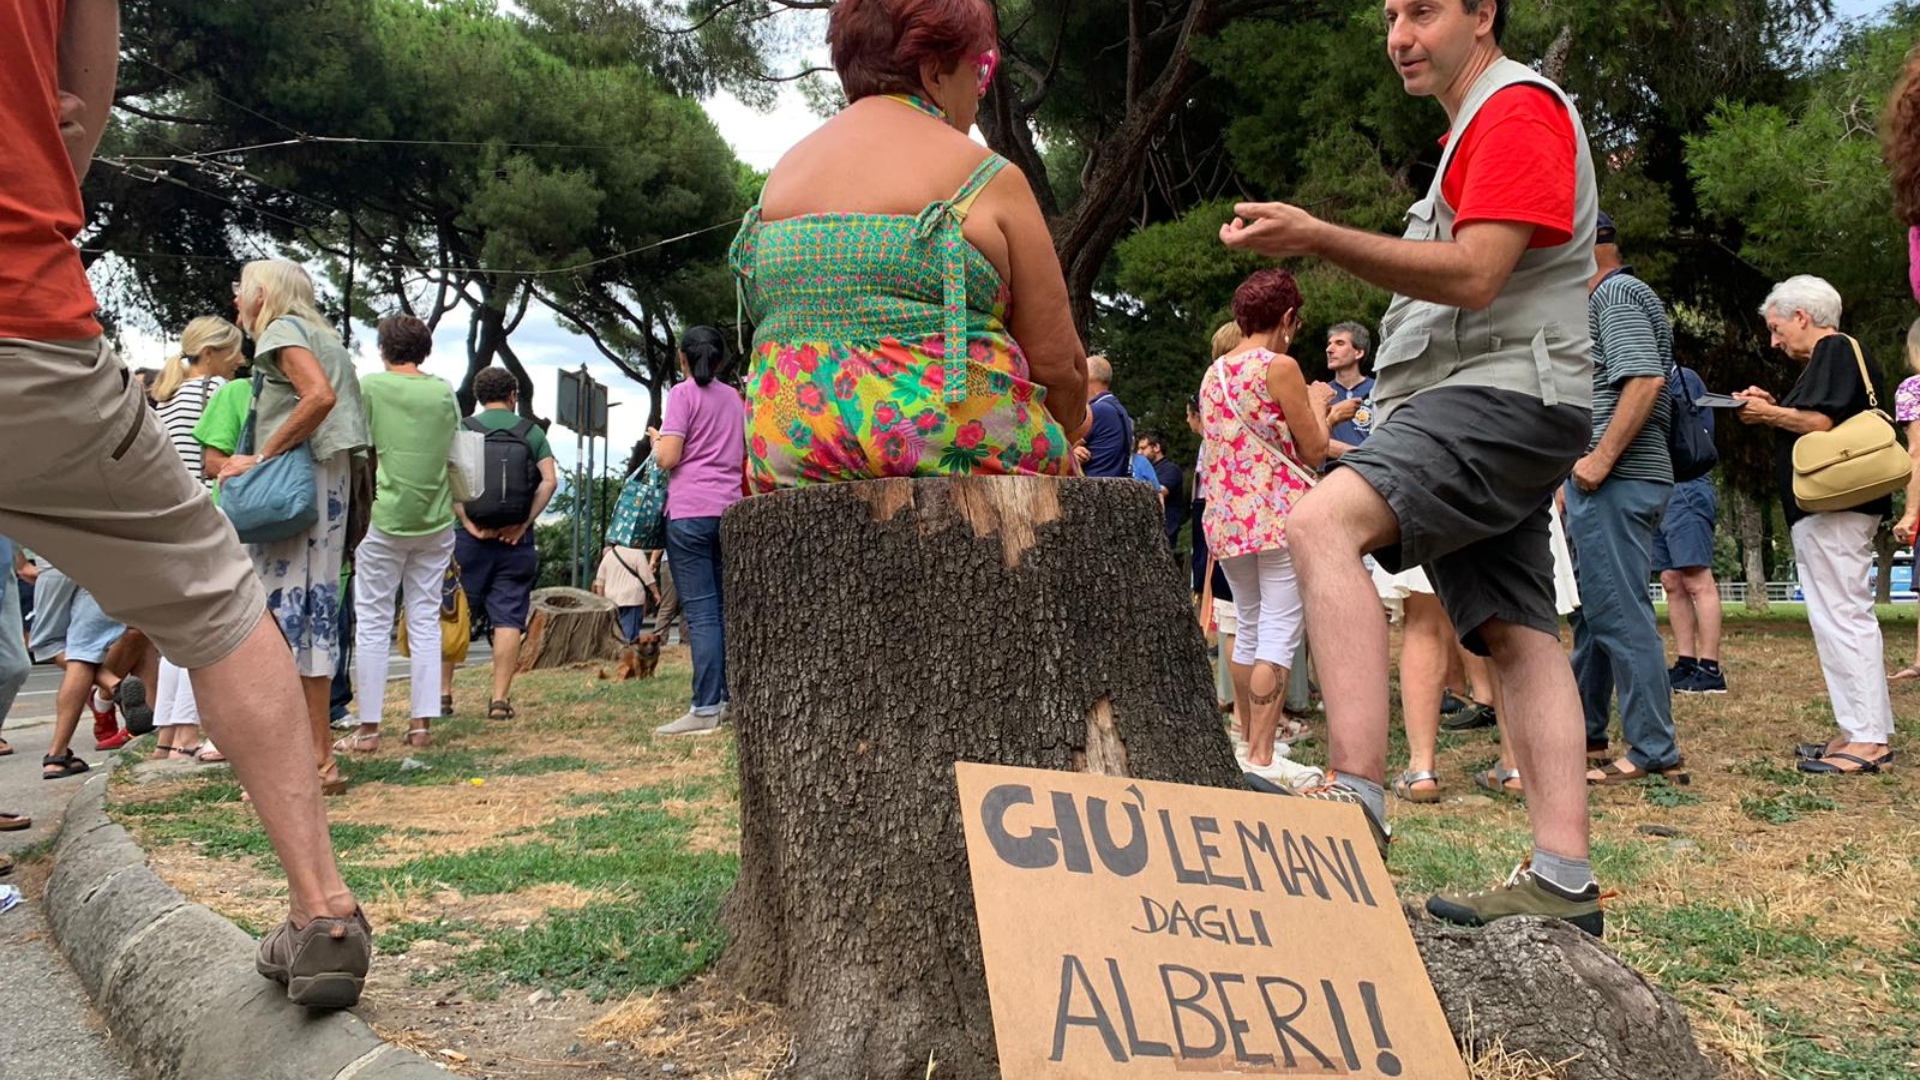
(222, 419)
(502, 419)
(345, 427)
(412, 418)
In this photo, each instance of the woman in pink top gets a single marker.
(1264, 436)
(703, 445)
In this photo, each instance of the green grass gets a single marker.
(1861, 1055)
(1785, 807)
(1702, 945)
(1441, 853)
(1658, 792)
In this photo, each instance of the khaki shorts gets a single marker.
(89, 479)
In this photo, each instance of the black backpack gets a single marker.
(512, 476)
(1689, 442)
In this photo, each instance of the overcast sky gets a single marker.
(758, 139)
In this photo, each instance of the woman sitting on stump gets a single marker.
(911, 320)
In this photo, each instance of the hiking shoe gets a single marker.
(1702, 681)
(1681, 671)
(131, 696)
(691, 723)
(1334, 791)
(1451, 703)
(1523, 894)
(323, 965)
(1473, 716)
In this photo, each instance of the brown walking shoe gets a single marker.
(323, 965)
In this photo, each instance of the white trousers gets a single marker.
(411, 567)
(1834, 552)
(173, 703)
(1267, 606)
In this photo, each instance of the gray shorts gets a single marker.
(1469, 473)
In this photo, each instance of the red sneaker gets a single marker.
(106, 727)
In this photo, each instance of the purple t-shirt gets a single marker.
(713, 421)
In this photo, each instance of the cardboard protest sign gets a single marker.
(1148, 929)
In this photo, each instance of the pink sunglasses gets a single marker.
(988, 63)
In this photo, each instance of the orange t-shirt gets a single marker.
(44, 295)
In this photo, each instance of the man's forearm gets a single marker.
(541, 498)
(1448, 273)
(89, 68)
(1638, 396)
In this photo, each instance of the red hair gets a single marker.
(1903, 141)
(1264, 299)
(878, 46)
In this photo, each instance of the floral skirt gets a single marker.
(823, 413)
(302, 575)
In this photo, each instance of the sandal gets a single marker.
(420, 736)
(359, 743)
(1911, 671)
(14, 822)
(1598, 756)
(65, 765)
(446, 705)
(331, 782)
(1496, 779)
(1624, 771)
(210, 754)
(6, 748)
(1825, 766)
(190, 753)
(499, 710)
(1403, 786)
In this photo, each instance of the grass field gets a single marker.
(541, 888)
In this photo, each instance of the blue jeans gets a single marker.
(14, 664)
(631, 620)
(693, 546)
(1616, 641)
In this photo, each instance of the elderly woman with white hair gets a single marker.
(1833, 549)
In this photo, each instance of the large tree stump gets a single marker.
(569, 626)
(877, 633)
(1549, 991)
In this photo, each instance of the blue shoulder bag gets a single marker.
(275, 500)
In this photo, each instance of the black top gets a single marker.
(1830, 385)
(1174, 479)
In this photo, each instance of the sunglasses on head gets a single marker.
(988, 63)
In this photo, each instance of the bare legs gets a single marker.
(252, 702)
(506, 661)
(1266, 698)
(1543, 728)
(1426, 646)
(1693, 607)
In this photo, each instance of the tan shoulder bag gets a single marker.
(1856, 462)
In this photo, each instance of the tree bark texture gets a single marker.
(1749, 529)
(569, 626)
(1549, 991)
(877, 633)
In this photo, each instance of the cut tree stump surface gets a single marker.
(569, 626)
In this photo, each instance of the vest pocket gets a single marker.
(1420, 221)
(1543, 366)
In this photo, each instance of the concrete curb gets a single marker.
(175, 981)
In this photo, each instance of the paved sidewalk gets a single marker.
(51, 1031)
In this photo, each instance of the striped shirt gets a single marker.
(1631, 339)
(181, 412)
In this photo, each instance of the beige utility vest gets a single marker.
(1533, 338)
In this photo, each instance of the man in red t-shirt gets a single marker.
(93, 483)
(1484, 383)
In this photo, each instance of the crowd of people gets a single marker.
(1506, 464)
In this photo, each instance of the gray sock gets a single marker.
(1372, 795)
(1571, 876)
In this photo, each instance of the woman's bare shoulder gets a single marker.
(870, 164)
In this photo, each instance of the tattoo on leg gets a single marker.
(1280, 684)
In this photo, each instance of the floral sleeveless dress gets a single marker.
(881, 349)
(1249, 491)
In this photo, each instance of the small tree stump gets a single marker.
(879, 632)
(569, 626)
(1550, 991)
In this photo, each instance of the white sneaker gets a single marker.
(691, 723)
(1286, 773)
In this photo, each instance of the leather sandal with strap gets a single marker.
(1403, 786)
(1825, 766)
(499, 710)
(420, 736)
(1495, 781)
(1624, 771)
